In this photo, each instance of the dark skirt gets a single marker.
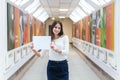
(57, 70)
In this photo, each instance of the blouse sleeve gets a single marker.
(66, 45)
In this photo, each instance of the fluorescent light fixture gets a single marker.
(61, 16)
(43, 17)
(32, 5)
(63, 9)
(18, 2)
(23, 2)
(77, 15)
(87, 5)
(107, 1)
(43, 14)
(73, 18)
(102, 2)
(96, 2)
(38, 12)
(34, 8)
(81, 13)
(85, 9)
(12, 0)
(53, 18)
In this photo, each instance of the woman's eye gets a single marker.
(57, 27)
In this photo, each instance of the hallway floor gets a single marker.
(78, 69)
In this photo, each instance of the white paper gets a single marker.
(41, 42)
(17, 55)
(9, 59)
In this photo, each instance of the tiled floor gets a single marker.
(78, 69)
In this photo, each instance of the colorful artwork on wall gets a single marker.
(93, 27)
(77, 30)
(81, 24)
(10, 28)
(16, 27)
(90, 24)
(98, 28)
(87, 28)
(103, 27)
(110, 26)
(73, 30)
(21, 27)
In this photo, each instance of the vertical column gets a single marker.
(117, 35)
(3, 37)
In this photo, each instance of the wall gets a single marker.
(3, 38)
(14, 59)
(106, 58)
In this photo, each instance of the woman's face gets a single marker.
(56, 29)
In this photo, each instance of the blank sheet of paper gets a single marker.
(41, 42)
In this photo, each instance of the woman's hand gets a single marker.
(35, 51)
(52, 45)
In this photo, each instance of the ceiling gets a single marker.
(75, 9)
(52, 7)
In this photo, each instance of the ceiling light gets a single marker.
(107, 0)
(38, 12)
(61, 16)
(43, 14)
(63, 9)
(73, 18)
(34, 8)
(13, 0)
(85, 9)
(53, 18)
(43, 17)
(32, 5)
(96, 2)
(18, 2)
(82, 14)
(23, 2)
(102, 2)
(87, 5)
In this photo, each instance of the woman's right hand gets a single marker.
(32, 46)
(34, 50)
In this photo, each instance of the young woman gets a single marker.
(57, 68)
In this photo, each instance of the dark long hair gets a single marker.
(53, 25)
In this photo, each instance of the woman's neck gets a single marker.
(56, 36)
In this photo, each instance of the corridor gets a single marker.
(78, 69)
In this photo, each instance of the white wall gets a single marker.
(67, 26)
(3, 37)
(8, 66)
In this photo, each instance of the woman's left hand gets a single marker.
(52, 46)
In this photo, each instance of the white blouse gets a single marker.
(61, 43)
